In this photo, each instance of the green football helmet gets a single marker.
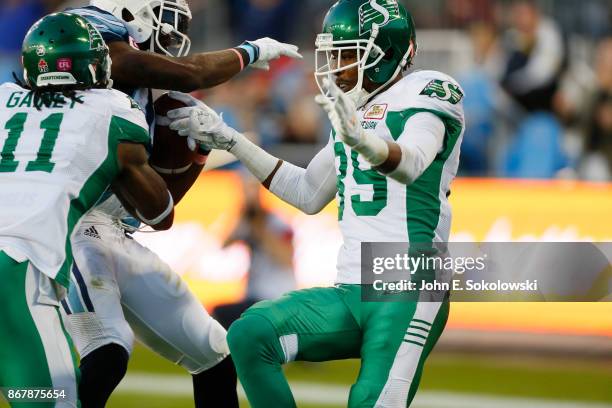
(65, 51)
(382, 34)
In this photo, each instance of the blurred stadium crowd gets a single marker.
(537, 76)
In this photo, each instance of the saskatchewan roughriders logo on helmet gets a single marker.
(96, 42)
(380, 12)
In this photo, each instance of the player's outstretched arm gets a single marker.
(135, 68)
(309, 189)
(142, 191)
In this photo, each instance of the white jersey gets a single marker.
(376, 208)
(55, 164)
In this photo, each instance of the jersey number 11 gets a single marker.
(15, 125)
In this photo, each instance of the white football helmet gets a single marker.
(163, 23)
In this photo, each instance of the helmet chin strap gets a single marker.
(364, 96)
(359, 96)
(109, 81)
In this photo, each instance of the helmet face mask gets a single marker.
(170, 27)
(327, 51)
(381, 32)
(159, 26)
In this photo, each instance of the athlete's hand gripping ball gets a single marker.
(190, 103)
(204, 126)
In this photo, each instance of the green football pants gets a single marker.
(36, 352)
(392, 339)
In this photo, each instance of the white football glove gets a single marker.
(203, 125)
(342, 114)
(191, 103)
(270, 49)
(185, 98)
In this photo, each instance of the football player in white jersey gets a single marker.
(122, 289)
(65, 137)
(389, 162)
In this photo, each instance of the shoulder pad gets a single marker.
(111, 28)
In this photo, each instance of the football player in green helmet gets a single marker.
(390, 160)
(378, 40)
(66, 138)
(65, 52)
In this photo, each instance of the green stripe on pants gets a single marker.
(24, 362)
(321, 324)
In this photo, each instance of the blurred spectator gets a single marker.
(592, 18)
(535, 64)
(303, 121)
(271, 243)
(536, 57)
(597, 164)
(462, 13)
(480, 83)
(536, 150)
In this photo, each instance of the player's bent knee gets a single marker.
(241, 335)
(217, 338)
(249, 337)
(209, 351)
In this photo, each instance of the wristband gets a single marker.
(252, 51)
(201, 155)
(373, 148)
(240, 58)
(161, 216)
(203, 150)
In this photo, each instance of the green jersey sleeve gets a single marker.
(128, 122)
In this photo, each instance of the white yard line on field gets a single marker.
(317, 393)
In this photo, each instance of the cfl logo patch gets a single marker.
(64, 65)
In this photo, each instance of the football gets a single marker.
(170, 153)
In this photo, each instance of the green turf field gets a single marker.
(153, 382)
(559, 379)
